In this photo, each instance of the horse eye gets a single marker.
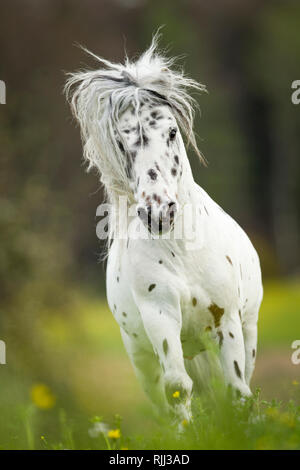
(172, 133)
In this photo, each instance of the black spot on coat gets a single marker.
(152, 174)
(237, 369)
(221, 338)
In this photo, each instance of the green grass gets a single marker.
(75, 349)
(219, 423)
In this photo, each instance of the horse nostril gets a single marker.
(172, 210)
(142, 214)
(172, 205)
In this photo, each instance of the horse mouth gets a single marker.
(156, 227)
(160, 228)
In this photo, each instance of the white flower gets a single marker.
(98, 428)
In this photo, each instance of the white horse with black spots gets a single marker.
(166, 291)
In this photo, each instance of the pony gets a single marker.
(168, 293)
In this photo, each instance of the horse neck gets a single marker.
(187, 187)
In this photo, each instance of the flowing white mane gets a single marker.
(99, 97)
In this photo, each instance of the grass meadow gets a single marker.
(68, 383)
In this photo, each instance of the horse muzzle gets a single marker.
(158, 221)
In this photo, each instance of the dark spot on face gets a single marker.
(221, 338)
(151, 287)
(152, 174)
(144, 139)
(237, 369)
(160, 261)
(165, 346)
(160, 312)
(154, 114)
(173, 171)
(240, 315)
(134, 335)
(229, 259)
(253, 352)
(231, 334)
(194, 301)
(118, 279)
(152, 123)
(176, 159)
(217, 313)
(157, 167)
(115, 307)
(124, 314)
(206, 210)
(173, 254)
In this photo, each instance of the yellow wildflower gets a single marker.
(185, 423)
(176, 394)
(42, 396)
(114, 434)
(295, 382)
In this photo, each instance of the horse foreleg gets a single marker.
(232, 354)
(147, 369)
(250, 339)
(163, 326)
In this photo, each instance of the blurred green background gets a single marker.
(53, 312)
